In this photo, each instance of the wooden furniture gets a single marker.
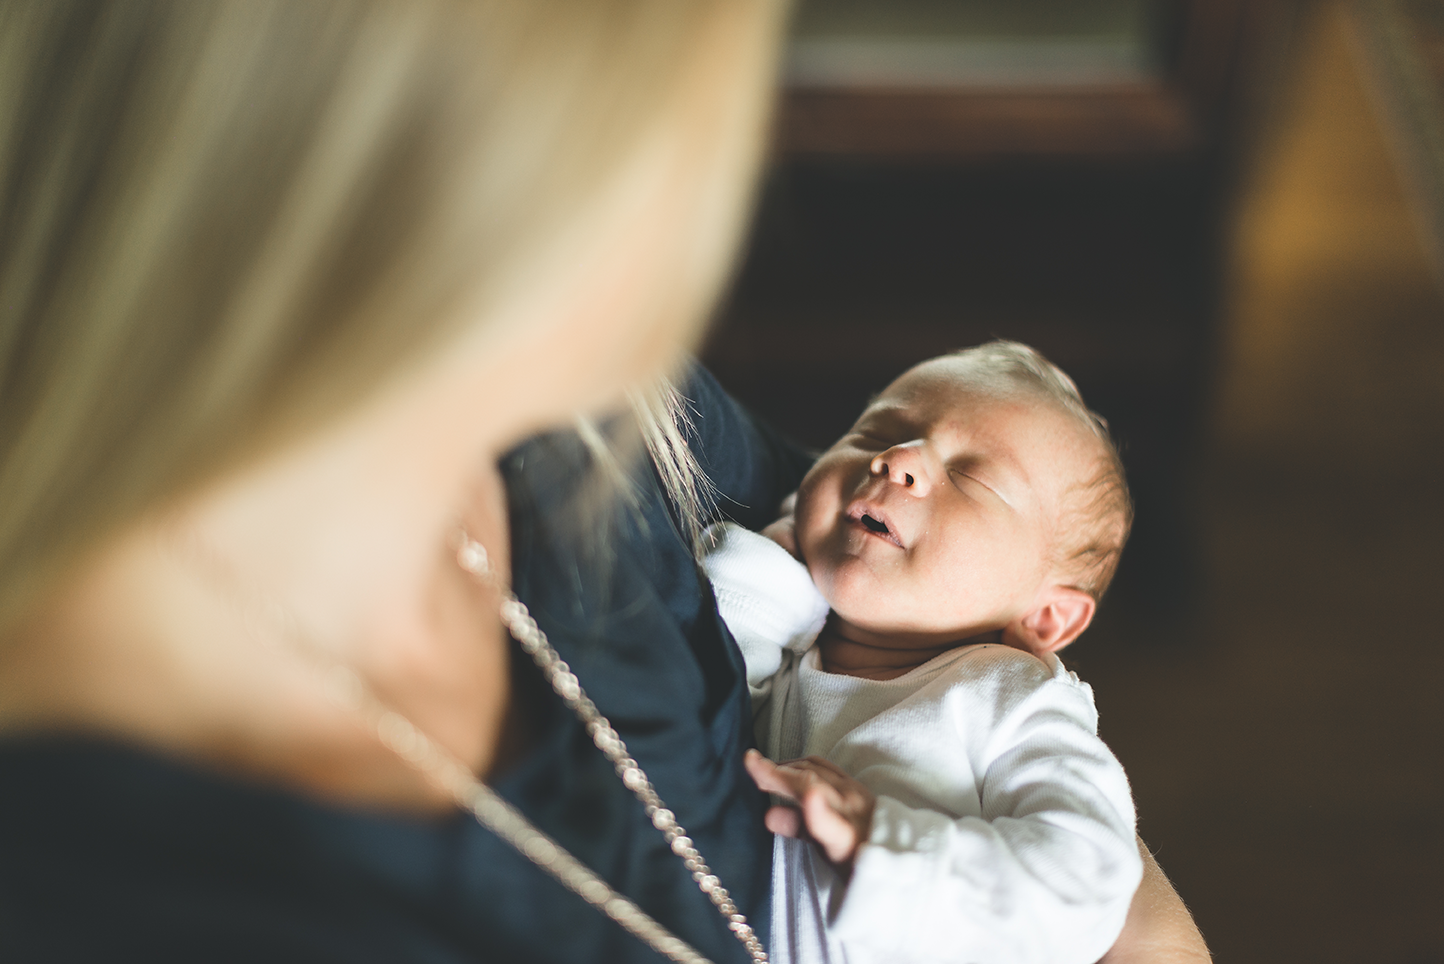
(1158, 85)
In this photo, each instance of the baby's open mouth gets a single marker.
(865, 516)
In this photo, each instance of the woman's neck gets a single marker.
(850, 650)
(150, 641)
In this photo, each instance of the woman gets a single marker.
(282, 287)
(282, 283)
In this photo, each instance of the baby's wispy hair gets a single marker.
(1097, 511)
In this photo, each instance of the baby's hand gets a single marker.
(784, 533)
(835, 808)
(784, 530)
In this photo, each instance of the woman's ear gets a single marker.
(1061, 615)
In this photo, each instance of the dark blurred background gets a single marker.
(1223, 218)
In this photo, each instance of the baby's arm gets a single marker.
(765, 596)
(1046, 868)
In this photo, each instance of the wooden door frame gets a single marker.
(1182, 111)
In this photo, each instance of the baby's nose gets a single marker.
(903, 465)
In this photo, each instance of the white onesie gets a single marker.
(1004, 827)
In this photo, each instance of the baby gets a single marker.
(960, 802)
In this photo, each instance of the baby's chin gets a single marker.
(868, 604)
(872, 599)
(834, 581)
(860, 599)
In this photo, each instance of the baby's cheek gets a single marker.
(809, 508)
(819, 567)
(813, 532)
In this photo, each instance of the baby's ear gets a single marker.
(1061, 616)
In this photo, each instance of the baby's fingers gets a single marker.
(771, 778)
(831, 830)
(784, 533)
(836, 810)
(784, 821)
(824, 766)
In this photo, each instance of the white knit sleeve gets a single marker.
(1045, 872)
(765, 596)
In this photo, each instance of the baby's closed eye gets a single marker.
(869, 440)
(969, 481)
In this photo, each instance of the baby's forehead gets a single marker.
(949, 391)
(949, 382)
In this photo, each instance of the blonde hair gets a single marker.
(225, 221)
(1097, 510)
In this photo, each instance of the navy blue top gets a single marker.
(109, 853)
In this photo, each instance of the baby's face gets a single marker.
(933, 519)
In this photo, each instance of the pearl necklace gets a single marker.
(503, 820)
(275, 626)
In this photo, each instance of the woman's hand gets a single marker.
(835, 809)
